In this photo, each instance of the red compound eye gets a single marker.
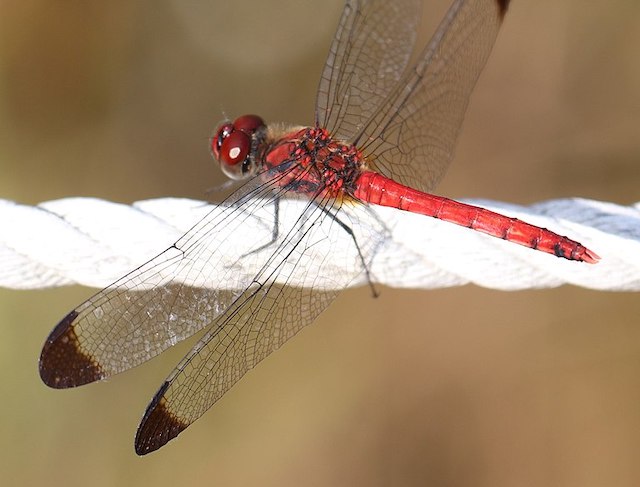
(216, 144)
(232, 144)
(235, 148)
(248, 123)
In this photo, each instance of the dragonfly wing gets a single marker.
(411, 137)
(320, 258)
(166, 300)
(370, 50)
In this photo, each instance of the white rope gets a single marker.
(93, 242)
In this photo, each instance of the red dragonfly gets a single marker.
(384, 134)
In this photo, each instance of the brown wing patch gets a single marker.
(158, 425)
(63, 364)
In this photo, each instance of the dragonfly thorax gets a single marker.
(309, 161)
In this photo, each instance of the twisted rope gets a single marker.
(93, 242)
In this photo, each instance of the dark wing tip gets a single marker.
(502, 7)
(62, 362)
(158, 426)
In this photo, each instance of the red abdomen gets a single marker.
(377, 189)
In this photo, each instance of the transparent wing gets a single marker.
(264, 316)
(159, 304)
(411, 137)
(369, 53)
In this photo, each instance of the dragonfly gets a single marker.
(383, 135)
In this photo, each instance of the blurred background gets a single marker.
(463, 386)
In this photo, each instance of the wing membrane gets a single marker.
(411, 137)
(370, 50)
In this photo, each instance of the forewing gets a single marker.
(318, 255)
(370, 50)
(411, 137)
(169, 298)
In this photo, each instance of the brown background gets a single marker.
(464, 386)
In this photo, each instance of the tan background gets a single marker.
(464, 386)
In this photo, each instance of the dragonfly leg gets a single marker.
(275, 232)
(349, 230)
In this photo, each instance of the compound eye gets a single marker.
(248, 123)
(235, 148)
(216, 144)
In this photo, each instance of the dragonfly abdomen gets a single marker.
(377, 189)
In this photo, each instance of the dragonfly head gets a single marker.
(233, 143)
